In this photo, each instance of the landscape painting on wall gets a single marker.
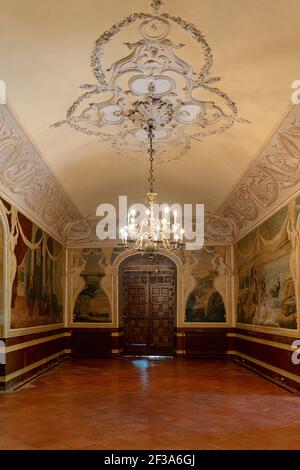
(266, 294)
(37, 288)
(92, 304)
(206, 302)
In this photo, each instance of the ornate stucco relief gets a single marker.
(107, 280)
(189, 280)
(153, 83)
(273, 177)
(77, 265)
(218, 230)
(28, 182)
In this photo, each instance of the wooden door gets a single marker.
(149, 308)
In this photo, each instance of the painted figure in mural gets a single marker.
(48, 296)
(75, 274)
(274, 291)
(106, 280)
(293, 232)
(13, 240)
(30, 294)
(189, 281)
(223, 270)
(254, 284)
(263, 287)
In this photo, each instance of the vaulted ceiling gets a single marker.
(45, 55)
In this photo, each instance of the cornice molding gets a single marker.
(273, 178)
(27, 182)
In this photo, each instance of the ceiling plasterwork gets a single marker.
(272, 178)
(153, 82)
(26, 179)
(86, 168)
(83, 232)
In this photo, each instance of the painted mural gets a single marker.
(91, 300)
(37, 294)
(35, 273)
(205, 275)
(266, 260)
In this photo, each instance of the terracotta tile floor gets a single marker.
(150, 404)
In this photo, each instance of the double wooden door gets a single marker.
(149, 309)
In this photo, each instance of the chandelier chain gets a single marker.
(151, 178)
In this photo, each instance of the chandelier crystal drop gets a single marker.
(153, 232)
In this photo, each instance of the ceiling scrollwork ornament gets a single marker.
(26, 179)
(82, 232)
(183, 103)
(219, 229)
(272, 178)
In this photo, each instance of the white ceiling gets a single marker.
(45, 55)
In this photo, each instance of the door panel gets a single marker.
(161, 313)
(135, 312)
(149, 307)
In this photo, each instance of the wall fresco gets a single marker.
(267, 271)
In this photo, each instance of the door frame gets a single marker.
(168, 270)
(180, 308)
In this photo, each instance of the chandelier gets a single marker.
(192, 107)
(152, 232)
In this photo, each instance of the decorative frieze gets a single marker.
(272, 178)
(27, 181)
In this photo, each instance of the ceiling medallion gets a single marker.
(186, 105)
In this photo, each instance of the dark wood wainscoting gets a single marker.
(29, 355)
(267, 353)
(209, 342)
(91, 342)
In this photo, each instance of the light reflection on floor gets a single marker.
(143, 363)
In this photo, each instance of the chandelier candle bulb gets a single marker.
(175, 217)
